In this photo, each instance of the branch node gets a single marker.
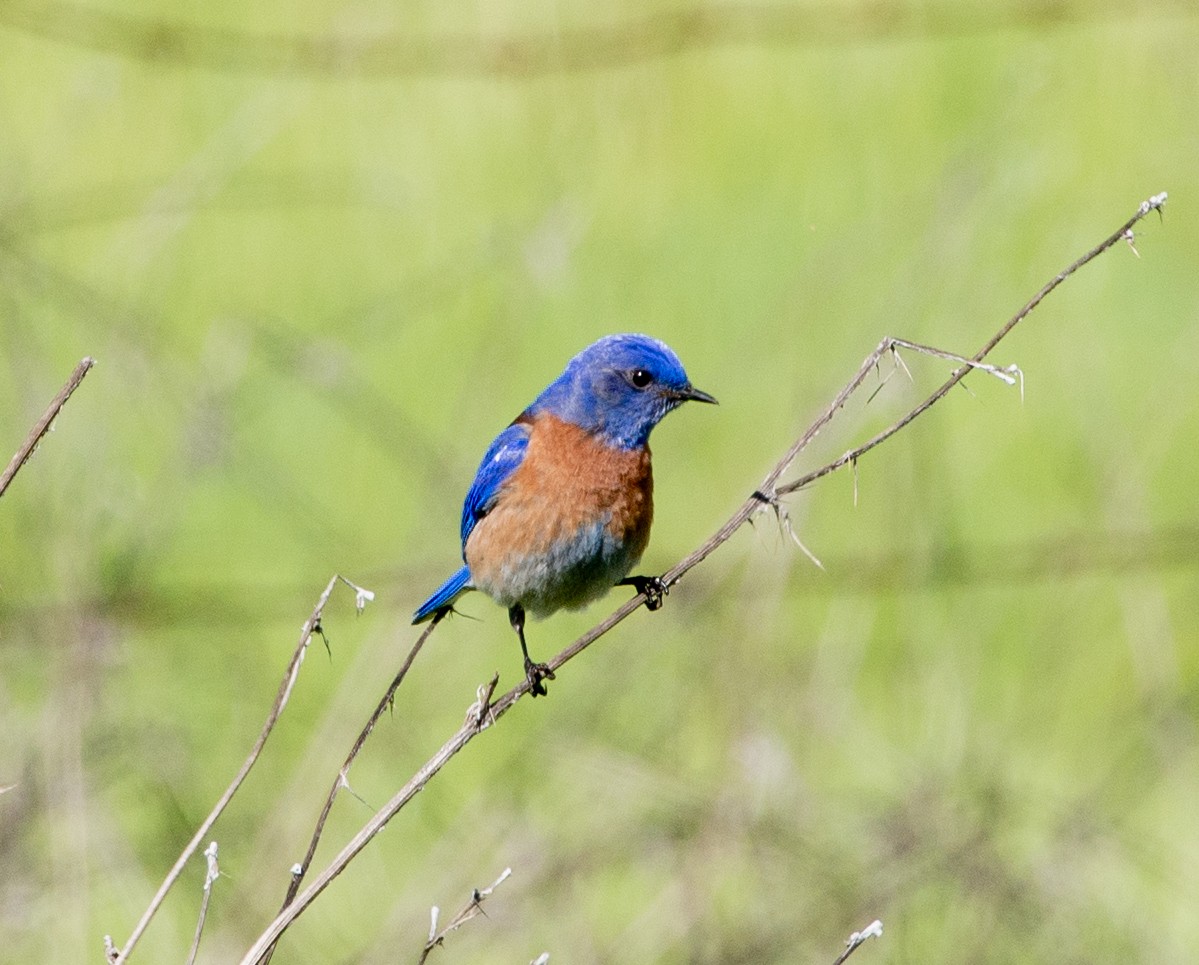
(471, 909)
(480, 714)
(893, 346)
(784, 521)
(320, 632)
(873, 930)
(768, 494)
(1130, 237)
(362, 596)
(214, 872)
(1155, 203)
(767, 499)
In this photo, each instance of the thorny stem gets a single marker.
(766, 494)
(342, 779)
(311, 626)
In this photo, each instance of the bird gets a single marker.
(560, 508)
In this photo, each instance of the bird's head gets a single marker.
(620, 388)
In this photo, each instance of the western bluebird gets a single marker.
(561, 505)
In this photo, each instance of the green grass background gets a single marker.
(317, 288)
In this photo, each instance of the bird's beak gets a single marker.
(692, 394)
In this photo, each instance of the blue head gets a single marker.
(619, 388)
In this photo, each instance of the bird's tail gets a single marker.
(444, 595)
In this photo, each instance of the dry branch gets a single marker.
(342, 780)
(471, 909)
(311, 625)
(42, 426)
(859, 938)
(485, 714)
(214, 872)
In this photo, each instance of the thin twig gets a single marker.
(300, 869)
(42, 426)
(311, 625)
(470, 910)
(858, 938)
(480, 719)
(476, 722)
(210, 876)
(770, 485)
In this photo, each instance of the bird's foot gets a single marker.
(535, 673)
(651, 587)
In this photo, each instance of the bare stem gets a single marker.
(210, 876)
(471, 909)
(42, 426)
(311, 626)
(859, 938)
(485, 714)
(342, 779)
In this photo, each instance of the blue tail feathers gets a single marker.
(444, 595)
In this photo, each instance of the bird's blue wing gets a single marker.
(504, 454)
(499, 462)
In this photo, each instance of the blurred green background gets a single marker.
(322, 257)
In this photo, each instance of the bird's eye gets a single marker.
(639, 378)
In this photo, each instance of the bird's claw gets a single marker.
(652, 588)
(535, 673)
(655, 592)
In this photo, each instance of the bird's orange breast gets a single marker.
(570, 522)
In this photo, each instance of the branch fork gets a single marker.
(485, 712)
